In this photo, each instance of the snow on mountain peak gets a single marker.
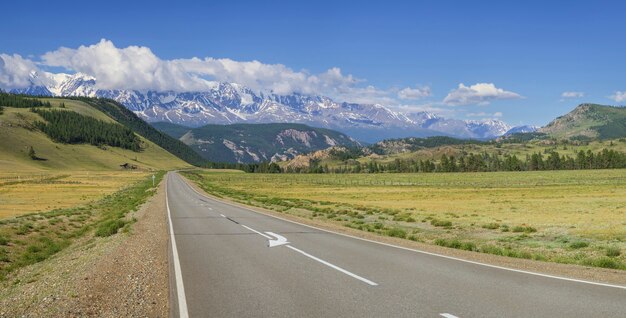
(226, 103)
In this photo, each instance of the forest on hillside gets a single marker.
(481, 162)
(73, 128)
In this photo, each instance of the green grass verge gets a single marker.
(32, 238)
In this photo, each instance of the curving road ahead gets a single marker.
(229, 261)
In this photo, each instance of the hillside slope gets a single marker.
(590, 121)
(246, 143)
(18, 133)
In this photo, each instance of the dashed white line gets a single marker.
(448, 315)
(180, 288)
(365, 280)
(257, 232)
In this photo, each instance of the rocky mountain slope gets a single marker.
(228, 103)
(248, 143)
(589, 121)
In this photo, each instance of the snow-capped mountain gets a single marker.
(228, 103)
(522, 129)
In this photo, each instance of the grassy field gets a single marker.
(29, 192)
(574, 217)
(32, 238)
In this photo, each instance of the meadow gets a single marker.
(39, 191)
(99, 205)
(576, 217)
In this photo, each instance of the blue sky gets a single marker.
(533, 51)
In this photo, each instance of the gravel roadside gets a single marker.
(125, 275)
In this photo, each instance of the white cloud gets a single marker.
(480, 93)
(485, 115)
(137, 67)
(15, 71)
(569, 94)
(134, 67)
(618, 96)
(414, 93)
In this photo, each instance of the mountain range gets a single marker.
(229, 103)
(250, 143)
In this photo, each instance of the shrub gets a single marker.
(491, 226)
(109, 228)
(525, 229)
(440, 223)
(605, 262)
(578, 244)
(613, 251)
(3, 240)
(396, 232)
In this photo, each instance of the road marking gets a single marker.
(280, 240)
(411, 249)
(180, 288)
(257, 232)
(222, 215)
(448, 315)
(365, 280)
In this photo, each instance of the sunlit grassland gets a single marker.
(30, 238)
(29, 192)
(562, 216)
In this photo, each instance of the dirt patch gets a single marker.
(125, 275)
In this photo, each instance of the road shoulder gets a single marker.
(124, 275)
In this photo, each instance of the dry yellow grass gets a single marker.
(541, 215)
(28, 192)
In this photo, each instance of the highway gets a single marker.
(229, 261)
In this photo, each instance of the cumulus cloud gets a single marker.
(414, 93)
(15, 71)
(137, 67)
(480, 93)
(571, 95)
(618, 96)
(134, 67)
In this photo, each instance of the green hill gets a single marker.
(90, 139)
(589, 121)
(247, 143)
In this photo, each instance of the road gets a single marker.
(229, 261)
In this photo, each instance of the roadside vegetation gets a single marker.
(34, 237)
(573, 217)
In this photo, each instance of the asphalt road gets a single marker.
(223, 266)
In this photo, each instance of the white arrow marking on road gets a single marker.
(280, 240)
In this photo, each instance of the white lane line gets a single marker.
(180, 288)
(414, 250)
(365, 280)
(448, 315)
(257, 232)
(222, 215)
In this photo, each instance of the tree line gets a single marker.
(19, 101)
(73, 128)
(482, 162)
